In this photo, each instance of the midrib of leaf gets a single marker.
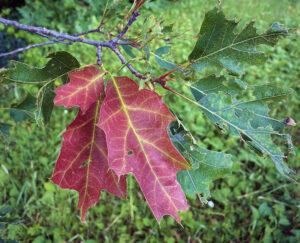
(71, 164)
(96, 118)
(140, 141)
(192, 180)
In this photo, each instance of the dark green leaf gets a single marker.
(218, 46)
(59, 65)
(208, 165)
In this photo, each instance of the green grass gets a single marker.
(254, 204)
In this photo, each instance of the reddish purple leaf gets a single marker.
(82, 164)
(83, 89)
(135, 123)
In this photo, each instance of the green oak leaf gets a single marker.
(207, 165)
(59, 65)
(220, 47)
(246, 118)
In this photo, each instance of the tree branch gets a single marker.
(53, 33)
(53, 41)
(26, 48)
(60, 37)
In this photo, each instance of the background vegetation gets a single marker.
(254, 204)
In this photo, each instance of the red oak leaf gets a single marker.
(83, 89)
(135, 123)
(82, 164)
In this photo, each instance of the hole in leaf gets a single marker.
(83, 164)
(130, 152)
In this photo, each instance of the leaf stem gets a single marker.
(175, 69)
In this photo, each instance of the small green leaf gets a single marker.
(208, 165)
(218, 46)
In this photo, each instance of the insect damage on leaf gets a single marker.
(248, 119)
(135, 123)
(207, 165)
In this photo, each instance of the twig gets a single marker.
(131, 20)
(53, 33)
(26, 48)
(55, 40)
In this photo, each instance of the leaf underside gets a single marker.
(245, 118)
(135, 123)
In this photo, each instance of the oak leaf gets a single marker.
(82, 164)
(135, 123)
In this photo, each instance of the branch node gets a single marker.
(99, 51)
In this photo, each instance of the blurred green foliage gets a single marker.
(254, 204)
